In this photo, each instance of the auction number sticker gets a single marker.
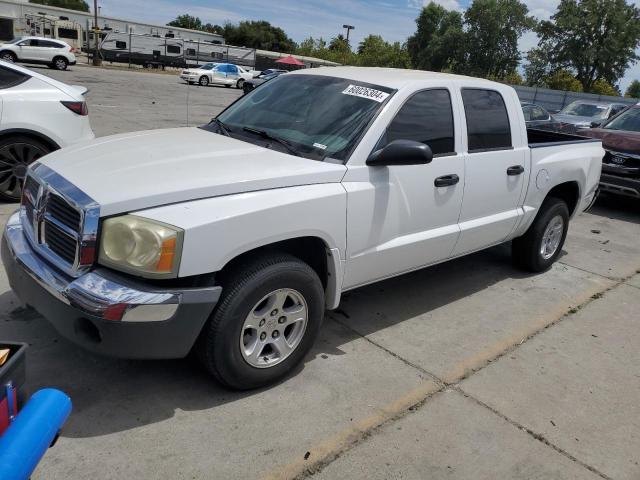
(366, 92)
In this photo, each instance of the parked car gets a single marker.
(226, 74)
(621, 164)
(318, 182)
(536, 116)
(586, 113)
(39, 115)
(259, 80)
(269, 71)
(54, 53)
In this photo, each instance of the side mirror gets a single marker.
(595, 124)
(401, 152)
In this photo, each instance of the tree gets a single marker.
(373, 51)
(438, 38)
(186, 21)
(633, 91)
(258, 34)
(602, 87)
(80, 5)
(339, 44)
(538, 69)
(563, 80)
(493, 28)
(596, 39)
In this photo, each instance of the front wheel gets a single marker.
(265, 323)
(240, 83)
(541, 245)
(204, 81)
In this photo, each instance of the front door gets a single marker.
(495, 172)
(398, 219)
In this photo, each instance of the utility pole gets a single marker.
(349, 28)
(97, 61)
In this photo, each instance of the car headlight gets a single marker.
(141, 246)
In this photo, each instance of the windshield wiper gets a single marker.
(266, 135)
(222, 127)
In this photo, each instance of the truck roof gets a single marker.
(388, 77)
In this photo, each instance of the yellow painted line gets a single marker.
(467, 366)
(329, 449)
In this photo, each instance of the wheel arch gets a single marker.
(30, 133)
(312, 250)
(569, 192)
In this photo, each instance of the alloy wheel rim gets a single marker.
(14, 161)
(551, 237)
(61, 64)
(274, 328)
(7, 58)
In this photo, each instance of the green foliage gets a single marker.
(373, 51)
(492, 30)
(437, 43)
(186, 21)
(602, 87)
(595, 39)
(633, 91)
(80, 5)
(258, 34)
(563, 80)
(511, 78)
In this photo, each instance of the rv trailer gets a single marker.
(170, 51)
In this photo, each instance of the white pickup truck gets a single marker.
(232, 239)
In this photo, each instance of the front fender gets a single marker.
(219, 229)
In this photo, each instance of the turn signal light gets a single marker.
(77, 107)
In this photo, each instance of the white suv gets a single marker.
(39, 115)
(55, 53)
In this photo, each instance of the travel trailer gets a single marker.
(170, 51)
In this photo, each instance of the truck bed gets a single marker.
(546, 138)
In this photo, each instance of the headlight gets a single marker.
(141, 246)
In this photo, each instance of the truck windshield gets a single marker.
(585, 110)
(317, 116)
(628, 121)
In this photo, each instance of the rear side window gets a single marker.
(48, 44)
(487, 120)
(427, 117)
(11, 78)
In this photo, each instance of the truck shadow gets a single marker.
(111, 395)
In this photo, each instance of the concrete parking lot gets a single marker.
(470, 369)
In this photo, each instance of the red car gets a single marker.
(621, 164)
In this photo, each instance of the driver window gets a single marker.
(427, 117)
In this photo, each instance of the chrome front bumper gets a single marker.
(110, 302)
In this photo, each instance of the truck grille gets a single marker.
(55, 225)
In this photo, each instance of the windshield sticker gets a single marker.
(365, 92)
(320, 146)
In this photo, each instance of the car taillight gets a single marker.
(72, 49)
(77, 107)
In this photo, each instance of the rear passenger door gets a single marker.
(494, 171)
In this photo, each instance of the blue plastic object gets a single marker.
(30, 434)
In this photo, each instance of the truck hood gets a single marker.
(139, 170)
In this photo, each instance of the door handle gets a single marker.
(446, 180)
(515, 170)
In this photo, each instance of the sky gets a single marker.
(394, 20)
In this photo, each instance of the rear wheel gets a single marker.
(265, 323)
(240, 83)
(16, 154)
(204, 81)
(60, 63)
(541, 245)
(8, 57)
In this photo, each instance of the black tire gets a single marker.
(8, 56)
(527, 249)
(60, 63)
(203, 81)
(227, 86)
(218, 346)
(16, 154)
(240, 83)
